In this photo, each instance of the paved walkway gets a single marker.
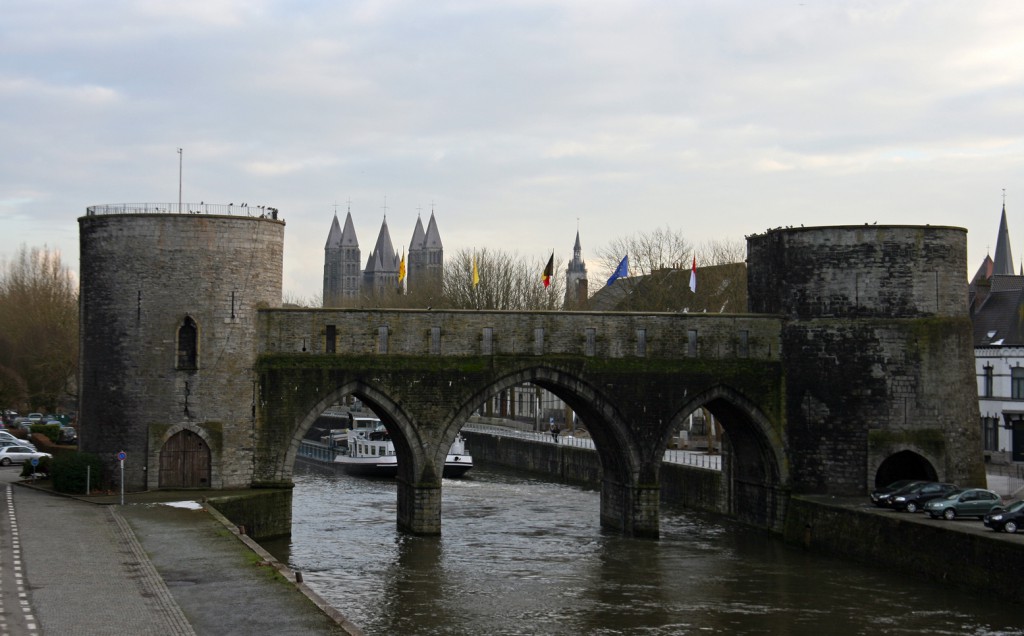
(74, 567)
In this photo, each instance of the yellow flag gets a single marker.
(476, 273)
(401, 269)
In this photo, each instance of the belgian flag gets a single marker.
(548, 271)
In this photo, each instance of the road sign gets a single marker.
(35, 461)
(121, 456)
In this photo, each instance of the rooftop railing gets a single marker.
(242, 209)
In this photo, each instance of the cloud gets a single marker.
(32, 90)
(509, 116)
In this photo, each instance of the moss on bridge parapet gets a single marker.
(484, 333)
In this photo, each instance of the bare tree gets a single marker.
(38, 330)
(721, 252)
(290, 299)
(505, 281)
(661, 248)
(660, 264)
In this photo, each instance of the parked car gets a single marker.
(880, 496)
(19, 454)
(912, 497)
(7, 442)
(35, 417)
(973, 502)
(68, 435)
(7, 437)
(1009, 519)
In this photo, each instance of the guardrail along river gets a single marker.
(519, 555)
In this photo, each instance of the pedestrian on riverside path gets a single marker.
(554, 431)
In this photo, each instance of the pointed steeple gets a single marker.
(348, 235)
(334, 236)
(417, 236)
(1003, 262)
(576, 278)
(341, 263)
(432, 239)
(383, 257)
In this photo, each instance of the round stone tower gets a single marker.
(878, 360)
(167, 313)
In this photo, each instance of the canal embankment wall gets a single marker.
(690, 486)
(961, 553)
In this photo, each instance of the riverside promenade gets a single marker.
(159, 565)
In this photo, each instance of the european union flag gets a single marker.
(621, 271)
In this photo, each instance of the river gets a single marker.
(522, 555)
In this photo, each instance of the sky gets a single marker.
(516, 122)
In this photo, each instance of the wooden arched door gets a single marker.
(185, 462)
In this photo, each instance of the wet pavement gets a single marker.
(69, 566)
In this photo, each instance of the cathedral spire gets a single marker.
(1003, 262)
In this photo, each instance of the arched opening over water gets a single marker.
(604, 424)
(629, 431)
(754, 465)
(395, 419)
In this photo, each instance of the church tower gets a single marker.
(381, 274)
(1003, 263)
(576, 279)
(426, 256)
(341, 264)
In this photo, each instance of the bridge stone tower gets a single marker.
(168, 304)
(877, 351)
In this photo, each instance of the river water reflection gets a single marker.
(519, 555)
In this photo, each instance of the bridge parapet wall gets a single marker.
(476, 333)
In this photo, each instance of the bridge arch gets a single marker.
(421, 446)
(408, 439)
(618, 454)
(629, 501)
(754, 456)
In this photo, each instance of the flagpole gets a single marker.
(179, 180)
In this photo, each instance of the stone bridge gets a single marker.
(632, 379)
(855, 367)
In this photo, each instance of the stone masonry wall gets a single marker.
(462, 333)
(877, 354)
(141, 274)
(882, 271)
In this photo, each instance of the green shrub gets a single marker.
(70, 470)
(50, 430)
(27, 469)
